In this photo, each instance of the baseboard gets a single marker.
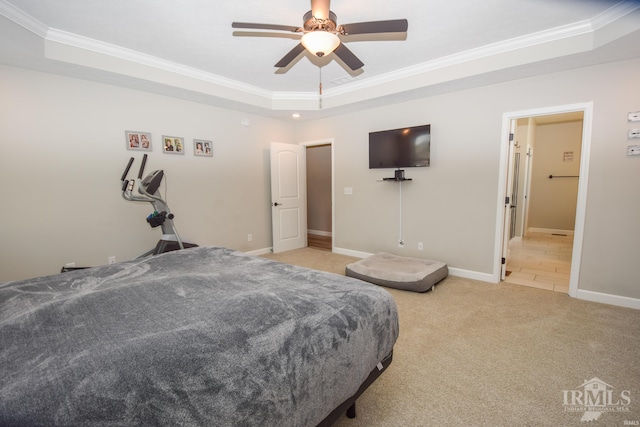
(319, 233)
(608, 299)
(349, 252)
(259, 252)
(549, 231)
(483, 277)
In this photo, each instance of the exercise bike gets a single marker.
(161, 216)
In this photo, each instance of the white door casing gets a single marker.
(527, 190)
(288, 197)
(587, 123)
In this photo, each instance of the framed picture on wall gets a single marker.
(138, 141)
(172, 144)
(202, 147)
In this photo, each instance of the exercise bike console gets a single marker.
(152, 182)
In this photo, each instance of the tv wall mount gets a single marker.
(399, 176)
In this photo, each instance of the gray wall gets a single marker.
(63, 153)
(553, 201)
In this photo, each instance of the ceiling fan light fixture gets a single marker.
(320, 43)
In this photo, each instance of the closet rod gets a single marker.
(563, 176)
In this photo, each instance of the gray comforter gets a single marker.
(204, 336)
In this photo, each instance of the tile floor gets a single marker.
(541, 261)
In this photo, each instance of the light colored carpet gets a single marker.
(478, 354)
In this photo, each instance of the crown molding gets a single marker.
(615, 13)
(535, 39)
(582, 32)
(23, 19)
(96, 46)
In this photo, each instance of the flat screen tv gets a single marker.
(400, 148)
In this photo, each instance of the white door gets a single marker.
(288, 196)
(506, 230)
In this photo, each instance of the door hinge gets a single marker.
(510, 136)
(504, 261)
(506, 200)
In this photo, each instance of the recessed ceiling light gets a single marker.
(295, 115)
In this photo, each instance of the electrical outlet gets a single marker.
(112, 260)
(420, 246)
(401, 244)
(249, 237)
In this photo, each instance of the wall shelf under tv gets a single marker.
(397, 179)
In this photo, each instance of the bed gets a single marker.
(204, 336)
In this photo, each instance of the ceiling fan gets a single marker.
(321, 33)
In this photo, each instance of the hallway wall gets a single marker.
(552, 202)
(319, 188)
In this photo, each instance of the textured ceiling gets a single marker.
(196, 35)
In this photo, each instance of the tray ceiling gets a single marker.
(189, 50)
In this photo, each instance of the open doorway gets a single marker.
(320, 210)
(543, 188)
(544, 195)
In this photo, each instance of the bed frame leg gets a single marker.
(351, 412)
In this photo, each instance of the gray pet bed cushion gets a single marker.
(393, 271)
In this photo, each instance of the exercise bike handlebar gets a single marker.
(144, 162)
(144, 196)
(127, 185)
(126, 170)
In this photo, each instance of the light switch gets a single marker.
(633, 150)
(348, 191)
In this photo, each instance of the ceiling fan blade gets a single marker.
(391, 26)
(293, 54)
(348, 57)
(320, 8)
(276, 27)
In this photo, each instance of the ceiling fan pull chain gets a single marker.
(320, 96)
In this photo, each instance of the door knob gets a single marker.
(277, 204)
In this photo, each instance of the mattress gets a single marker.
(204, 336)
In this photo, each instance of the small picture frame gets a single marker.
(202, 148)
(172, 144)
(138, 141)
